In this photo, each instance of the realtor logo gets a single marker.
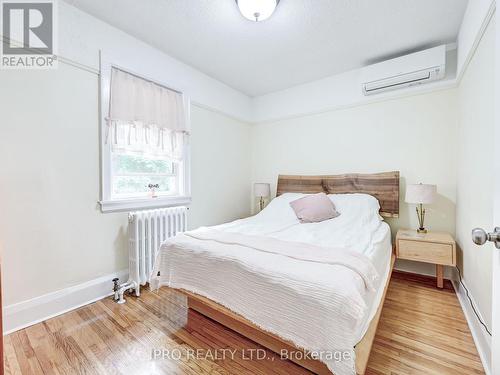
(28, 30)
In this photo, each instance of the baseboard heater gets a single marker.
(147, 230)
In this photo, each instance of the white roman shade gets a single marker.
(145, 117)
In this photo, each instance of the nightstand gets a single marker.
(438, 248)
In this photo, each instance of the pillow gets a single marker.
(314, 208)
(356, 204)
(279, 209)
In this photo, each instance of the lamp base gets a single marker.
(421, 216)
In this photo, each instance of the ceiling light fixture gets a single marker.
(257, 10)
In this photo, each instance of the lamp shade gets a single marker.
(261, 189)
(420, 193)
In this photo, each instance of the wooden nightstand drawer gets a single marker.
(437, 253)
(438, 248)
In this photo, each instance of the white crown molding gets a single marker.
(332, 93)
(82, 36)
(344, 90)
(477, 17)
(26, 313)
(394, 95)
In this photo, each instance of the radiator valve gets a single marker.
(116, 288)
(120, 289)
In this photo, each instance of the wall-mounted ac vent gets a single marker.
(410, 70)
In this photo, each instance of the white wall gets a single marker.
(81, 36)
(221, 166)
(51, 230)
(344, 89)
(476, 103)
(53, 235)
(335, 92)
(415, 135)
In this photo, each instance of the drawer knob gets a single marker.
(480, 236)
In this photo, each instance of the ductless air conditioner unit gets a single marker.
(410, 70)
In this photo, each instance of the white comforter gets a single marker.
(319, 306)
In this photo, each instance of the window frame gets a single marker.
(107, 203)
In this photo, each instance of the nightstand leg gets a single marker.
(439, 275)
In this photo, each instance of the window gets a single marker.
(145, 144)
(142, 176)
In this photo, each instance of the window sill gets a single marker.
(142, 204)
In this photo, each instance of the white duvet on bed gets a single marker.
(320, 307)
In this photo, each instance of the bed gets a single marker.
(315, 288)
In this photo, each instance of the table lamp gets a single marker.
(420, 194)
(261, 191)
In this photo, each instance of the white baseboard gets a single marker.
(38, 309)
(26, 313)
(481, 337)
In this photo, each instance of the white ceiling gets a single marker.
(303, 41)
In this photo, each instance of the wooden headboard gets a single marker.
(383, 186)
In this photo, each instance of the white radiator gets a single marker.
(147, 231)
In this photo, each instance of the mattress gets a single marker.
(317, 306)
(279, 222)
(381, 258)
(379, 251)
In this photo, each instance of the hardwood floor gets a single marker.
(422, 331)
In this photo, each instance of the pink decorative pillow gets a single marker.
(314, 208)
